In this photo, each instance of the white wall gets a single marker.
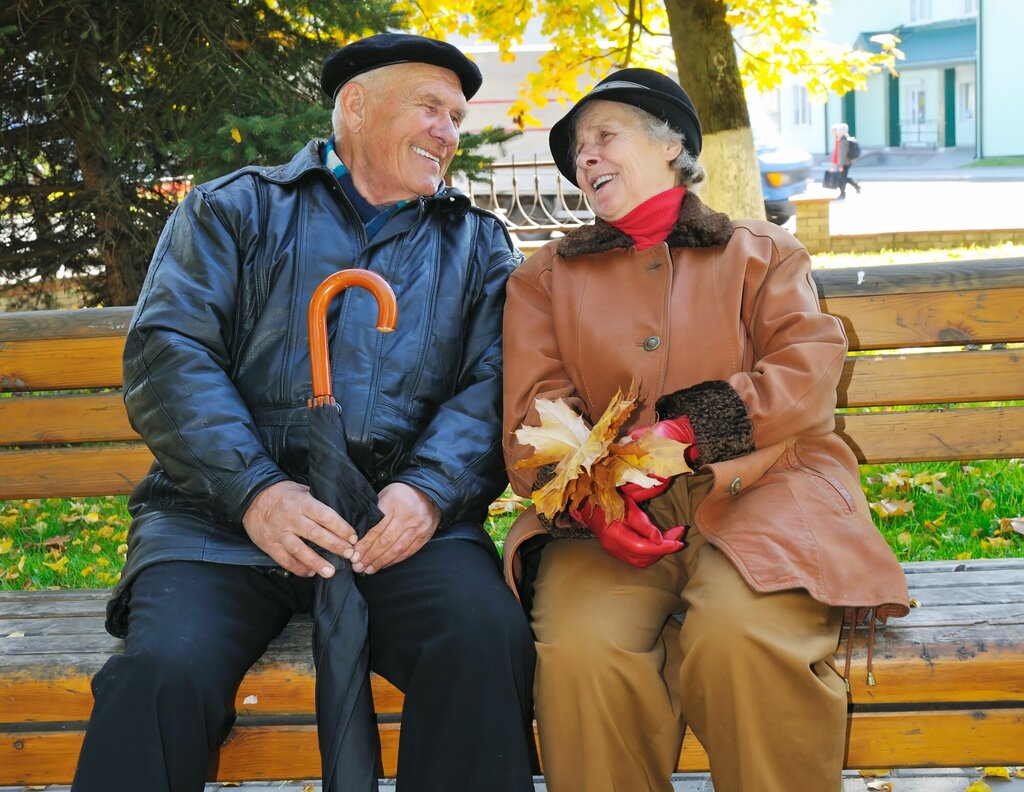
(1000, 105)
(965, 127)
(872, 110)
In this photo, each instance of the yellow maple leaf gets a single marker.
(996, 772)
(592, 462)
(979, 786)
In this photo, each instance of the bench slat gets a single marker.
(73, 472)
(869, 380)
(287, 752)
(905, 436)
(897, 321)
(932, 378)
(81, 418)
(67, 364)
(926, 436)
(899, 278)
(64, 323)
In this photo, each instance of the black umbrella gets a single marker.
(346, 724)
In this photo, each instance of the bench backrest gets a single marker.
(949, 332)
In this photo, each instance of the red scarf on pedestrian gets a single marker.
(650, 223)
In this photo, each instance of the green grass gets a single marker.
(926, 511)
(988, 162)
(970, 253)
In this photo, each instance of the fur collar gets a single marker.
(697, 226)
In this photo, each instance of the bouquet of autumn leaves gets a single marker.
(592, 462)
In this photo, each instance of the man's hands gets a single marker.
(633, 539)
(283, 515)
(410, 519)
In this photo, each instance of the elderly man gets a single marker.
(223, 546)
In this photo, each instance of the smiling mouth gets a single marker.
(427, 155)
(601, 181)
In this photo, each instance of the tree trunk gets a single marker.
(105, 188)
(707, 67)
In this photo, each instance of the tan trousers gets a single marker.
(618, 679)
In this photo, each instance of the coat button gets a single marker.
(735, 486)
(652, 343)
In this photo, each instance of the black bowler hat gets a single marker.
(387, 49)
(649, 90)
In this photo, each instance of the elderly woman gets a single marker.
(717, 322)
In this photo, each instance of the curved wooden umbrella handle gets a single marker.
(332, 285)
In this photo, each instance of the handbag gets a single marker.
(830, 181)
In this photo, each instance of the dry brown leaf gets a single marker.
(592, 462)
(1012, 525)
(880, 786)
(887, 508)
(873, 773)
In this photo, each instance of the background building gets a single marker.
(957, 86)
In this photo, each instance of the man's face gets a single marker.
(410, 133)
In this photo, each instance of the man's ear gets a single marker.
(353, 106)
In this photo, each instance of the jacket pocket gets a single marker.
(830, 483)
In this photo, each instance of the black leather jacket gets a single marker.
(216, 363)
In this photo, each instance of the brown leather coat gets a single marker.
(720, 323)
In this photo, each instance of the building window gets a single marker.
(920, 10)
(801, 106)
(965, 100)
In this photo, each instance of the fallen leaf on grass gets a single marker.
(507, 505)
(6, 543)
(996, 543)
(963, 556)
(933, 525)
(1006, 525)
(887, 508)
(988, 505)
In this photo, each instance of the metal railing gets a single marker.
(533, 199)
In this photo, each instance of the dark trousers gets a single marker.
(844, 179)
(444, 629)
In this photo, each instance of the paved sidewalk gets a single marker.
(941, 780)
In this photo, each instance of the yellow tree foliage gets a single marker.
(591, 37)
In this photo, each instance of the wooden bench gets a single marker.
(950, 677)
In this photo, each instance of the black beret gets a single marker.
(649, 90)
(386, 49)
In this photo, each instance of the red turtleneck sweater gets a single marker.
(650, 222)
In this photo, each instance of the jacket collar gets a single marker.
(310, 159)
(697, 227)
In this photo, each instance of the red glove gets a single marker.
(677, 429)
(633, 539)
